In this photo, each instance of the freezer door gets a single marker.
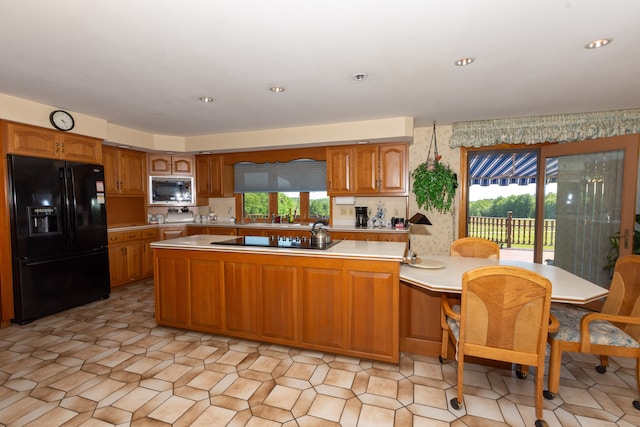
(38, 224)
(87, 209)
(47, 286)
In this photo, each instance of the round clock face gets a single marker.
(61, 120)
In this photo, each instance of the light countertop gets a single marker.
(566, 287)
(281, 226)
(383, 251)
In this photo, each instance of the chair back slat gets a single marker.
(504, 310)
(475, 247)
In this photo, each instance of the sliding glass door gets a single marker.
(595, 205)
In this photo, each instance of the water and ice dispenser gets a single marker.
(42, 220)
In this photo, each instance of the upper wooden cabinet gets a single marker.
(161, 164)
(41, 142)
(380, 169)
(124, 171)
(213, 177)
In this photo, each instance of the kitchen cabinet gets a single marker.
(197, 229)
(213, 178)
(41, 142)
(371, 236)
(124, 171)
(149, 235)
(160, 164)
(380, 169)
(130, 255)
(341, 305)
(125, 257)
(172, 232)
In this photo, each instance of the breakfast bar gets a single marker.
(343, 299)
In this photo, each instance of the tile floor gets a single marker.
(108, 363)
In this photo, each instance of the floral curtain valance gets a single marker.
(554, 128)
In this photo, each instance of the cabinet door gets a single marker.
(366, 170)
(110, 159)
(133, 260)
(241, 284)
(278, 303)
(182, 165)
(322, 324)
(393, 237)
(340, 171)
(132, 172)
(172, 232)
(172, 300)
(32, 141)
(159, 164)
(203, 178)
(216, 183)
(147, 257)
(205, 287)
(116, 264)
(394, 173)
(80, 148)
(373, 313)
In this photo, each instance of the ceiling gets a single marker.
(143, 64)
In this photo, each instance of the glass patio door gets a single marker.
(596, 185)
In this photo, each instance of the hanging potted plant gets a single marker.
(434, 183)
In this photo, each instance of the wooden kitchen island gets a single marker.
(343, 300)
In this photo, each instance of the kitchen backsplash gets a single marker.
(345, 214)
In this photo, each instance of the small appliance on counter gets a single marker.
(177, 217)
(362, 218)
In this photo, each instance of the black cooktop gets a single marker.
(274, 242)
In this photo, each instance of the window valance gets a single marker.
(553, 128)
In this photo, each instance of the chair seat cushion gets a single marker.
(601, 331)
(454, 325)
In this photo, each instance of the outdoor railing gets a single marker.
(511, 231)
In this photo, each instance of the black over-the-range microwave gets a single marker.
(171, 190)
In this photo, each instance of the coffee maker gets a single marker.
(362, 218)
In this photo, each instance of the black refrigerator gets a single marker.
(58, 235)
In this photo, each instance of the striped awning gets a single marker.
(508, 168)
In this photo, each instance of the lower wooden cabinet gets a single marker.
(130, 255)
(343, 306)
(172, 232)
(199, 229)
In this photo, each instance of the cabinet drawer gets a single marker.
(115, 237)
(132, 235)
(150, 233)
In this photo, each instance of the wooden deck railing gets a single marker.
(511, 231)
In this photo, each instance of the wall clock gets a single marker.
(61, 120)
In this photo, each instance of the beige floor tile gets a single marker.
(283, 397)
(108, 363)
(327, 407)
(172, 409)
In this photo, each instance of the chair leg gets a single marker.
(522, 371)
(445, 346)
(636, 403)
(604, 364)
(555, 360)
(539, 384)
(456, 402)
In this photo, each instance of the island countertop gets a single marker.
(369, 250)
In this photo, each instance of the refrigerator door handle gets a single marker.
(73, 227)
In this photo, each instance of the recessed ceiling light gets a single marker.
(276, 89)
(359, 77)
(206, 99)
(464, 61)
(362, 142)
(597, 43)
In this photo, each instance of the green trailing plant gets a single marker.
(434, 186)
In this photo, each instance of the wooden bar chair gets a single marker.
(615, 331)
(504, 316)
(475, 247)
(470, 247)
